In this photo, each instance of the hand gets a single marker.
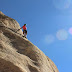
(18, 29)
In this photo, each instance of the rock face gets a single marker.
(17, 54)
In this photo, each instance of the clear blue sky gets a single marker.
(49, 25)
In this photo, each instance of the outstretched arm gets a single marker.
(20, 28)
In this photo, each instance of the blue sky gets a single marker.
(49, 25)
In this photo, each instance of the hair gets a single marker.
(24, 24)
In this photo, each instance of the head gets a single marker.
(24, 24)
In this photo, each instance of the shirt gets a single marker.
(24, 27)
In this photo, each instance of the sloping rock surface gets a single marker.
(17, 54)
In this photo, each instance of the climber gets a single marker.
(24, 30)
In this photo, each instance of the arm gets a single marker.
(20, 28)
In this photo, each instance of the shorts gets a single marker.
(25, 31)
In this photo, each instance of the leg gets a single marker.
(23, 31)
(25, 35)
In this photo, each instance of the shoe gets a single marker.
(23, 36)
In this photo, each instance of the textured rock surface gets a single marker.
(18, 54)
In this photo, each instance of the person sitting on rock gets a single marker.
(24, 30)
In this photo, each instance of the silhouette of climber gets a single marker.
(24, 30)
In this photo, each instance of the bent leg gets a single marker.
(25, 35)
(23, 31)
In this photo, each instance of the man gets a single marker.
(24, 30)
